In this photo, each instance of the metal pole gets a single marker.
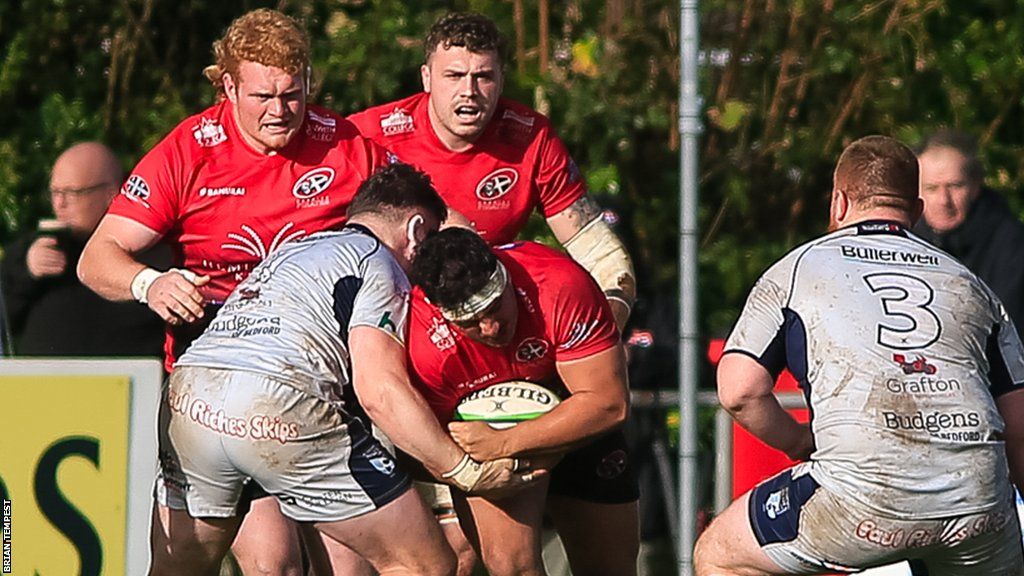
(689, 129)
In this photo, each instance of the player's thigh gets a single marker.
(328, 556)
(995, 550)
(506, 532)
(181, 544)
(267, 541)
(728, 545)
(599, 539)
(401, 536)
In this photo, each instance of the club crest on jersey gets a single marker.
(310, 186)
(320, 128)
(209, 133)
(531, 350)
(396, 122)
(136, 189)
(441, 335)
(494, 186)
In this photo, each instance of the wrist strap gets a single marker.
(458, 467)
(141, 283)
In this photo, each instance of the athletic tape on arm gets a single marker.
(601, 252)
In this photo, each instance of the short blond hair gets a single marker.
(263, 36)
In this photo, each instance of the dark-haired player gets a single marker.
(481, 316)
(267, 394)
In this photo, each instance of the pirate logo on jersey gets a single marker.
(209, 132)
(531, 350)
(310, 187)
(495, 186)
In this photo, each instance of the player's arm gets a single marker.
(745, 390)
(598, 404)
(1011, 408)
(382, 385)
(108, 267)
(592, 243)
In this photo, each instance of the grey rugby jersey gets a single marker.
(900, 350)
(291, 317)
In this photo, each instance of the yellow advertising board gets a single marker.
(73, 503)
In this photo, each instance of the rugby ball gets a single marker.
(506, 404)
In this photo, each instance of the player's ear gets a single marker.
(425, 77)
(230, 88)
(916, 210)
(839, 207)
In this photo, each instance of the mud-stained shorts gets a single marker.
(221, 430)
(806, 529)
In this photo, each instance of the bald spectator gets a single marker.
(50, 312)
(971, 222)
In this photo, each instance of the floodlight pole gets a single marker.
(690, 105)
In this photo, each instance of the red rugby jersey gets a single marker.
(563, 315)
(517, 165)
(224, 207)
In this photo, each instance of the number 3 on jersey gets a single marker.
(905, 301)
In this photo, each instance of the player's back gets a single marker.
(897, 345)
(291, 317)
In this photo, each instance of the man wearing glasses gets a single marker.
(50, 312)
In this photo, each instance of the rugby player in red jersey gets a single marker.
(495, 161)
(225, 188)
(481, 316)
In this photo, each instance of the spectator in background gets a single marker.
(51, 313)
(970, 221)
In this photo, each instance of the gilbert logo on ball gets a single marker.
(506, 404)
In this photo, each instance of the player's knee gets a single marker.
(270, 562)
(513, 561)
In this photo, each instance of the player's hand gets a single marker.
(620, 311)
(803, 446)
(493, 478)
(479, 440)
(44, 258)
(176, 299)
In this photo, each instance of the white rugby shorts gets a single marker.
(806, 529)
(222, 429)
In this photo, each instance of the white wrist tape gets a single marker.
(601, 252)
(145, 278)
(141, 283)
(465, 474)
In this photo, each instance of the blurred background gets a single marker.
(785, 86)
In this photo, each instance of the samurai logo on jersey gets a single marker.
(309, 187)
(320, 128)
(397, 122)
(209, 133)
(494, 186)
(531, 349)
(777, 503)
(136, 189)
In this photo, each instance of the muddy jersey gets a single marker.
(224, 207)
(516, 166)
(900, 351)
(291, 317)
(563, 316)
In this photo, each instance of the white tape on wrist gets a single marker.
(465, 474)
(145, 278)
(141, 283)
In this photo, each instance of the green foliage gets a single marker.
(785, 85)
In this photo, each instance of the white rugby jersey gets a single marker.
(900, 351)
(291, 317)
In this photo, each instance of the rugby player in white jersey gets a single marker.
(268, 393)
(913, 372)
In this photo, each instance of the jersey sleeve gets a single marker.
(760, 330)
(153, 191)
(583, 322)
(1005, 354)
(559, 181)
(427, 361)
(382, 300)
